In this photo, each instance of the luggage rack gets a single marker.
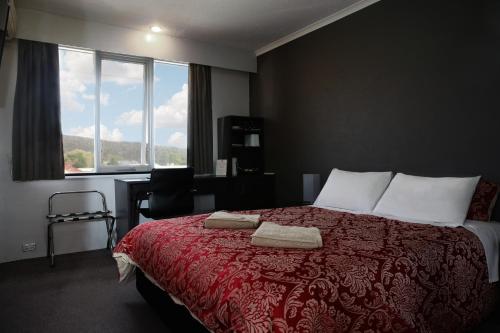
(101, 215)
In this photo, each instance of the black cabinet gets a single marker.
(241, 143)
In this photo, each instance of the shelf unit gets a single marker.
(241, 138)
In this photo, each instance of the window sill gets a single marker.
(115, 175)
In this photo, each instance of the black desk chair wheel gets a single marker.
(170, 193)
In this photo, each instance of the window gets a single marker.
(170, 114)
(114, 108)
(123, 124)
(77, 82)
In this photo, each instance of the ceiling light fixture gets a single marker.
(156, 28)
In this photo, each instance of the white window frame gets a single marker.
(147, 154)
(148, 142)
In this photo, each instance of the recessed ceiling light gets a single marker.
(156, 28)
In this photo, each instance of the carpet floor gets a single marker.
(82, 294)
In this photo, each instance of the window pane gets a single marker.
(122, 131)
(77, 87)
(170, 114)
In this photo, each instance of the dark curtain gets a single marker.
(37, 150)
(200, 144)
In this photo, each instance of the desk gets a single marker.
(230, 193)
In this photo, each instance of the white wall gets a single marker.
(45, 27)
(23, 205)
(230, 96)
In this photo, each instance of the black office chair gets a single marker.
(170, 194)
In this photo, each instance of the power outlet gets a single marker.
(29, 247)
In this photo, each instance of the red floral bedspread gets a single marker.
(372, 275)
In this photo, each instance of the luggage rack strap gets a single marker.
(81, 218)
(99, 212)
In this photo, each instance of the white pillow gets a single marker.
(441, 201)
(354, 191)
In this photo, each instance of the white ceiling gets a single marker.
(245, 24)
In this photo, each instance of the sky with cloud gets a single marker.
(122, 99)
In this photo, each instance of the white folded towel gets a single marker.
(225, 220)
(274, 235)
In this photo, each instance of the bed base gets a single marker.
(176, 317)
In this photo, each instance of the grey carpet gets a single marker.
(82, 294)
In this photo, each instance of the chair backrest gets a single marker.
(171, 192)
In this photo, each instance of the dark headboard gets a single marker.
(402, 85)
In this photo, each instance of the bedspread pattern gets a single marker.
(372, 274)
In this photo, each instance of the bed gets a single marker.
(373, 274)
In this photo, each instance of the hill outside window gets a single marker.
(121, 113)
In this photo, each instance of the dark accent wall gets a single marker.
(403, 85)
